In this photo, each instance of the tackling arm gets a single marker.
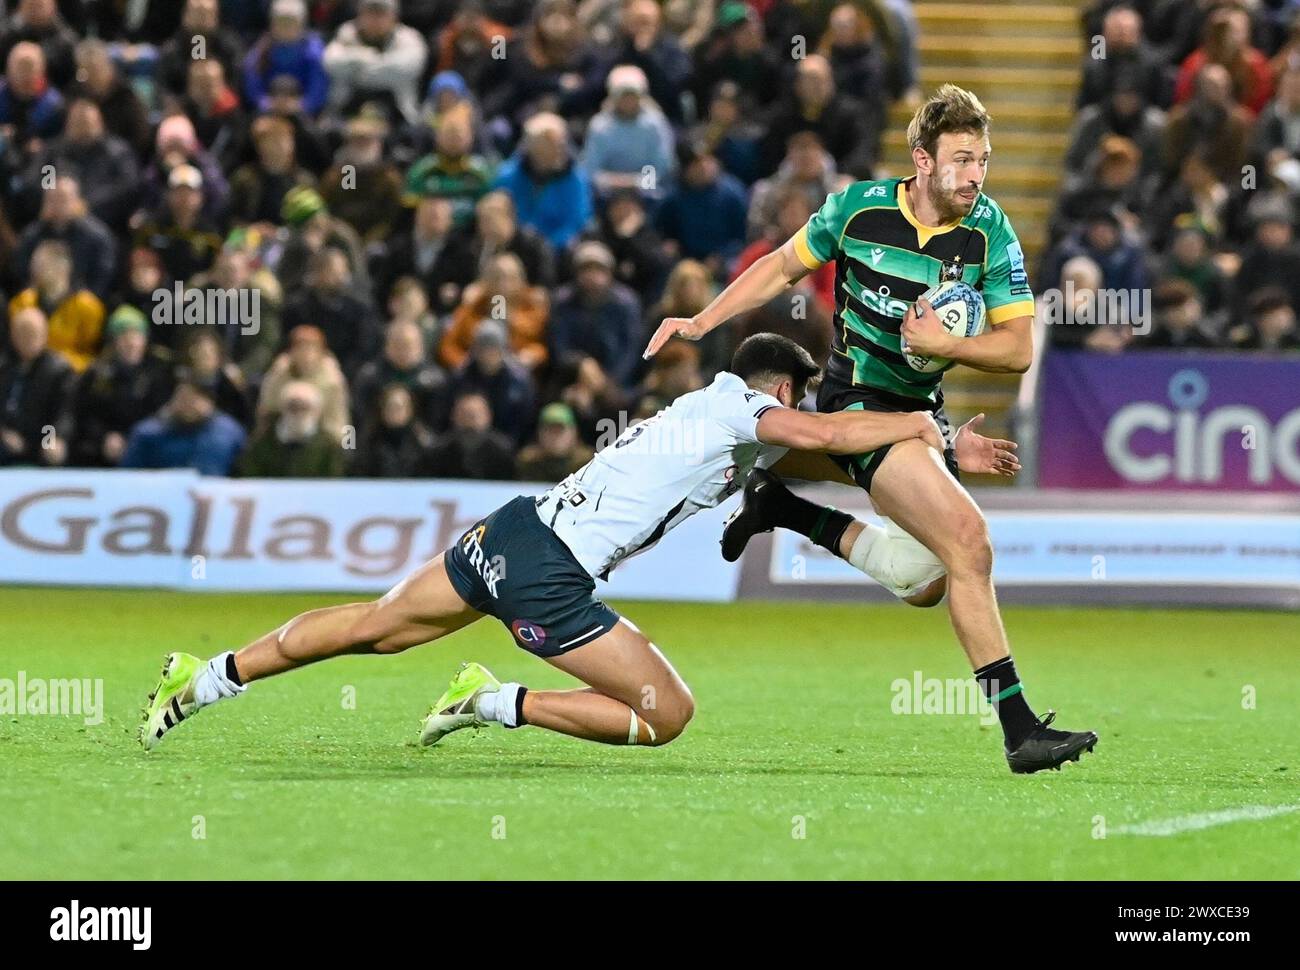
(845, 432)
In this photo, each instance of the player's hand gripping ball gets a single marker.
(960, 310)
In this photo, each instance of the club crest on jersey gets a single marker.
(951, 270)
(471, 543)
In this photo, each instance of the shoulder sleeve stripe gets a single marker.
(763, 410)
(804, 253)
(1009, 311)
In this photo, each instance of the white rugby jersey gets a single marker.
(690, 456)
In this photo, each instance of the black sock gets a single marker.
(1001, 685)
(519, 707)
(232, 672)
(822, 524)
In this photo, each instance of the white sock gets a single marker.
(894, 559)
(211, 684)
(499, 705)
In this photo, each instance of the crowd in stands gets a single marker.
(427, 238)
(1183, 178)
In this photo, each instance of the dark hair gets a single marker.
(765, 358)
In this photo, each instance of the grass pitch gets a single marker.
(795, 766)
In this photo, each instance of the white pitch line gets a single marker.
(1205, 820)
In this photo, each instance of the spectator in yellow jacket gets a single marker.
(76, 317)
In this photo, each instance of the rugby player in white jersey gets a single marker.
(533, 563)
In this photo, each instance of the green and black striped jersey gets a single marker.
(885, 259)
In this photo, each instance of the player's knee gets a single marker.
(669, 720)
(972, 551)
(931, 595)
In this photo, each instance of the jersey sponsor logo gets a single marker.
(528, 633)
(1019, 278)
(471, 544)
(982, 212)
(884, 304)
(876, 192)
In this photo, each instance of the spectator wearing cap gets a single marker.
(471, 448)
(38, 22)
(28, 103)
(258, 189)
(129, 382)
(102, 164)
(307, 359)
(405, 361)
(176, 144)
(550, 190)
(492, 371)
(396, 444)
(597, 316)
(1210, 121)
(100, 81)
(705, 216)
(35, 384)
(180, 232)
(1180, 321)
(1272, 257)
(376, 57)
(75, 316)
(1125, 112)
(65, 217)
(1225, 41)
(295, 444)
(850, 133)
(312, 228)
(735, 54)
(200, 25)
(453, 170)
(332, 300)
(213, 108)
(203, 354)
(630, 144)
(557, 451)
(807, 168)
(363, 188)
(188, 432)
(642, 41)
(1127, 53)
(447, 93)
(287, 48)
(1271, 323)
(501, 293)
(638, 249)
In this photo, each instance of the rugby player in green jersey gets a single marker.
(890, 241)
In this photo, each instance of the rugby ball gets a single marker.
(961, 311)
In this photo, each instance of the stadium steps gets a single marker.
(1023, 58)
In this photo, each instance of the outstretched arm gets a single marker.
(765, 279)
(845, 432)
